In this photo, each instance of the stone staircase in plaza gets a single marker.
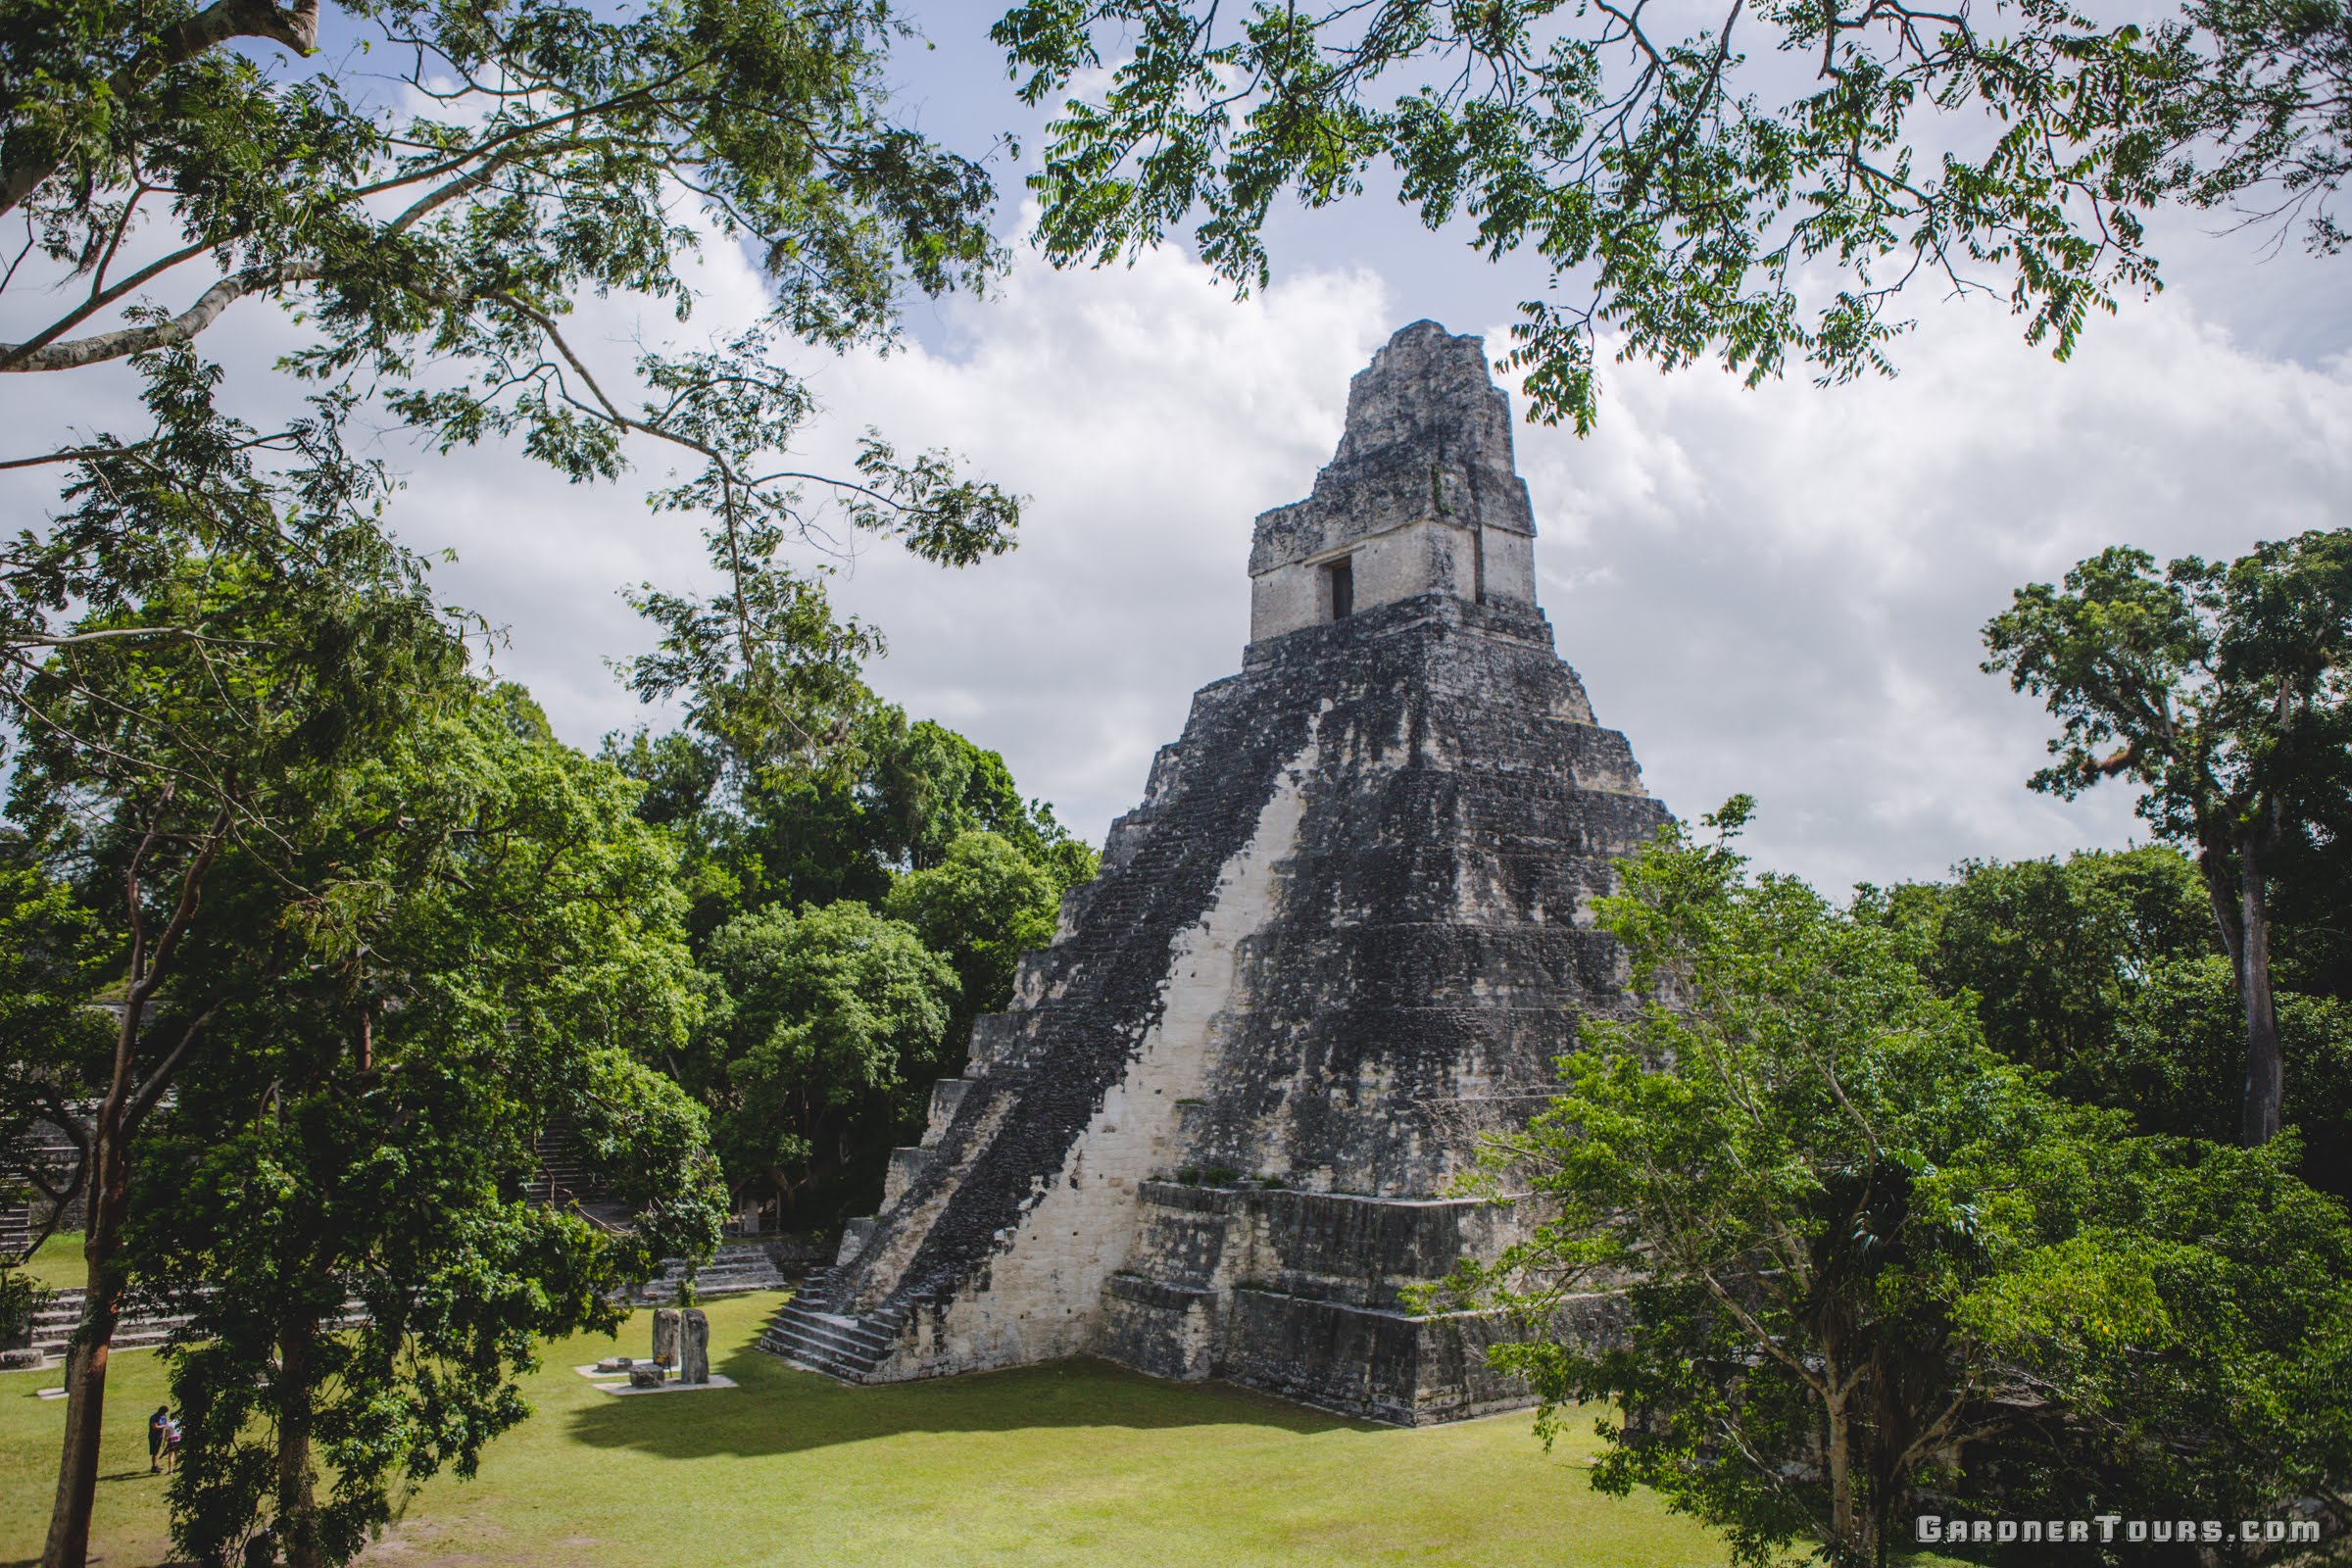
(140, 1328)
(16, 1230)
(737, 1268)
(848, 1349)
(54, 1319)
(563, 1180)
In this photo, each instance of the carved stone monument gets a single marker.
(1345, 932)
(665, 1337)
(694, 1347)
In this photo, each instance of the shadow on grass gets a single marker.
(778, 1408)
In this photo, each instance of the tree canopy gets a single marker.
(431, 192)
(910, 866)
(824, 1018)
(2104, 970)
(1864, 1260)
(1755, 186)
(495, 949)
(2225, 691)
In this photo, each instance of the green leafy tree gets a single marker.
(493, 944)
(1697, 204)
(981, 907)
(147, 759)
(910, 821)
(55, 965)
(2104, 971)
(1860, 1255)
(890, 795)
(429, 191)
(1751, 186)
(828, 1018)
(55, 962)
(2222, 691)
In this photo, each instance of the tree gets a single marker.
(826, 1018)
(429, 191)
(981, 907)
(145, 761)
(1699, 206)
(1859, 1255)
(494, 947)
(908, 821)
(2104, 971)
(2271, 110)
(55, 962)
(2227, 689)
(890, 796)
(1699, 202)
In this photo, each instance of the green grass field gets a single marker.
(57, 1265)
(1073, 1463)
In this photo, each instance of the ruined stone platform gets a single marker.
(1346, 934)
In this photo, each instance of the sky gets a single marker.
(1777, 592)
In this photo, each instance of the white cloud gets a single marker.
(1775, 591)
(1788, 584)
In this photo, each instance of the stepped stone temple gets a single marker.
(1345, 932)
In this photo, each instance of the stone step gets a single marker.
(847, 1335)
(794, 1341)
(817, 1354)
(838, 1344)
(737, 1268)
(813, 1361)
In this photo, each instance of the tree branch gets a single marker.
(297, 29)
(129, 340)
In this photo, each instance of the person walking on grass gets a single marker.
(158, 1430)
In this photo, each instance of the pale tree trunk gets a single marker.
(2241, 909)
(297, 1502)
(2266, 1068)
(1842, 1512)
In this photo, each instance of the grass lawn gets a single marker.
(58, 1264)
(1073, 1463)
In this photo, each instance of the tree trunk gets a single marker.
(108, 1163)
(297, 1503)
(68, 1542)
(2266, 1069)
(1842, 1512)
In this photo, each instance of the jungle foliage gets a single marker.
(494, 951)
(1755, 185)
(1868, 1264)
(2224, 692)
(851, 923)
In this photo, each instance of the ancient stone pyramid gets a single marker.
(1345, 933)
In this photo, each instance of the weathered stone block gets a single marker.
(694, 1347)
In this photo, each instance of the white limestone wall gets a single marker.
(1038, 1299)
(1510, 569)
(1427, 556)
(1287, 598)
(1430, 557)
